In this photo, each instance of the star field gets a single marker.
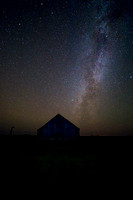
(71, 57)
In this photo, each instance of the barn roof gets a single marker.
(59, 116)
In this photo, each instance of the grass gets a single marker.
(52, 166)
(48, 161)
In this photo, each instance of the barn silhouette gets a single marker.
(59, 128)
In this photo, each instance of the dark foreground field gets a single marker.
(29, 158)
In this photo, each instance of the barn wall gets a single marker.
(59, 128)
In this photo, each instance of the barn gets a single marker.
(59, 128)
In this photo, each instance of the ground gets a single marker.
(86, 159)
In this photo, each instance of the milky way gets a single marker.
(100, 40)
(94, 61)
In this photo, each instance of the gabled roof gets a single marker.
(59, 116)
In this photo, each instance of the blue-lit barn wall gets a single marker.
(59, 129)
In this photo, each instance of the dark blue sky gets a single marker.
(69, 57)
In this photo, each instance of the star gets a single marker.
(52, 13)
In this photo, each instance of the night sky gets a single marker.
(72, 57)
